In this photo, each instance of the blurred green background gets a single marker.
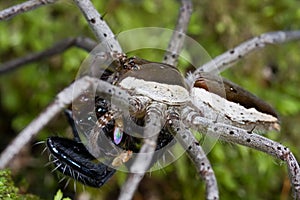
(242, 173)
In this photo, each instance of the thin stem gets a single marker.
(61, 46)
(23, 7)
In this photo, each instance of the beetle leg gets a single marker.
(73, 159)
(69, 115)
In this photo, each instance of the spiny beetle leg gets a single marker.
(73, 159)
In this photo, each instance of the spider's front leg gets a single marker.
(197, 156)
(72, 159)
(222, 100)
(243, 137)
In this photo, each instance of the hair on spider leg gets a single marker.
(251, 131)
(50, 162)
(75, 185)
(79, 162)
(58, 166)
(62, 179)
(217, 117)
(64, 169)
(44, 150)
(38, 143)
(67, 183)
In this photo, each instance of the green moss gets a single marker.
(9, 191)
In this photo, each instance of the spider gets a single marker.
(73, 159)
(173, 103)
(169, 107)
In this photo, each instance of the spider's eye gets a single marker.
(118, 134)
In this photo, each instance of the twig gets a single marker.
(63, 99)
(81, 42)
(198, 157)
(23, 7)
(227, 59)
(154, 122)
(177, 40)
(98, 25)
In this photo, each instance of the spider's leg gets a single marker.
(243, 137)
(178, 37)
(63, 99)
(241, 109)
(155, 113)
(79, 161)
(165, 139)
(82, 166)
(98, 25)
(69, 115)
(230, 57)
(198, 157)
(154, 121)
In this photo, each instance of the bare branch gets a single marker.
(198, 157)
(227, 59)
(23, 7)
(81, 42)
(101, 30)
(177, 40)
(63, 99)
(154, 122)
(247, 138)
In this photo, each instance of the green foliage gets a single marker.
(8, 191)
(59, 196)
(217, 25)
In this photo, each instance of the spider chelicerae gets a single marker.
(167, 106)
